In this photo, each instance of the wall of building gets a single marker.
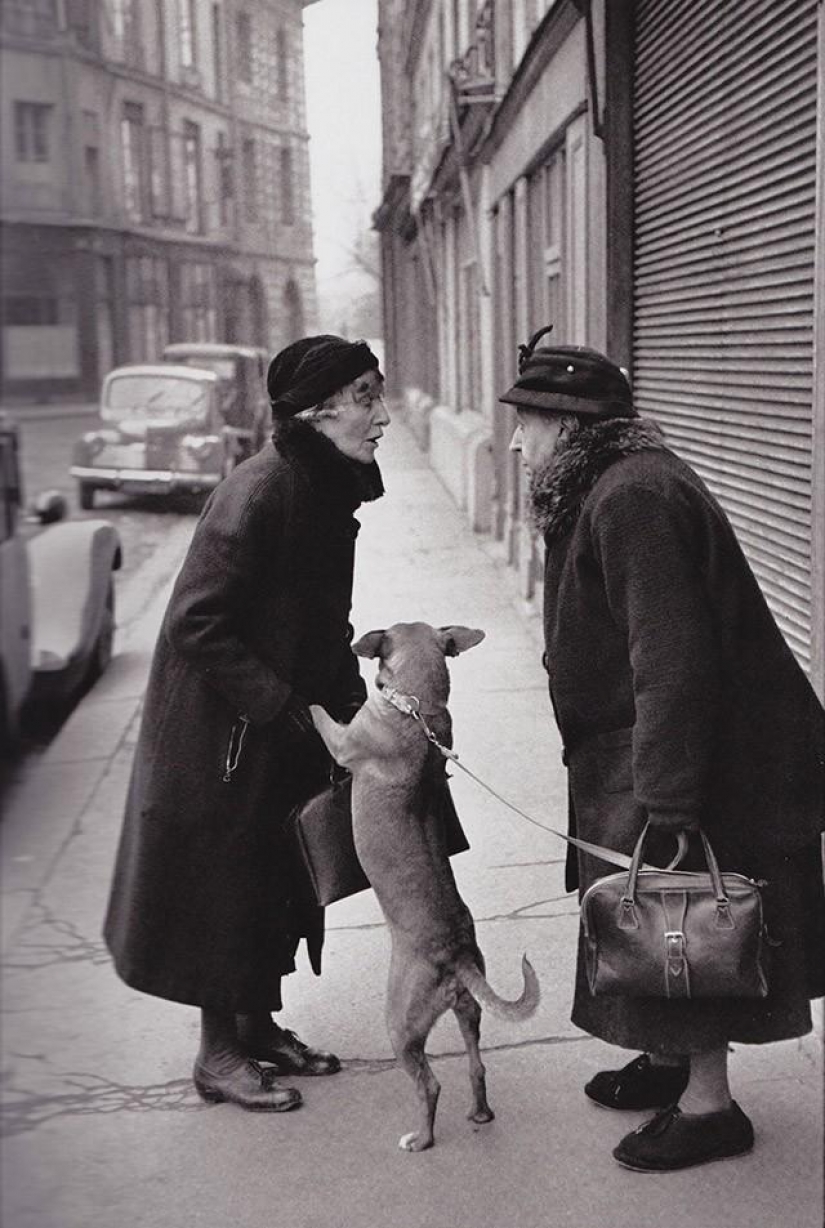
(154, 184)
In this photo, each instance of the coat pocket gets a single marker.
(613, 752)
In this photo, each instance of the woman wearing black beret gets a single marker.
(203, 906)
(678, 702)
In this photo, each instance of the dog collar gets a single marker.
(408, 704)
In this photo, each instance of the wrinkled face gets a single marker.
(360, 418)
(535, 437)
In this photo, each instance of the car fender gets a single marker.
(71, 566)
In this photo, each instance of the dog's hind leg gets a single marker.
(411, 1055)
(413, 1005)
(468, 1013)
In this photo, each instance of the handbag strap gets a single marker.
(710, 857)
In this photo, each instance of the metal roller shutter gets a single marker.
(724, 187)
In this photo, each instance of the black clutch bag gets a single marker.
(321, 832)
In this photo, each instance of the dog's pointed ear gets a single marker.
(454, 640)
(369, 645)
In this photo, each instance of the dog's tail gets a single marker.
(521, 1008)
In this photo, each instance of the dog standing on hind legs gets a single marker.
(398, 781)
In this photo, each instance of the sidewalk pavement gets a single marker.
(102, 1125)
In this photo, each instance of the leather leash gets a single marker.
(409, 705)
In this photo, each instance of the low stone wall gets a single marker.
(461, 454)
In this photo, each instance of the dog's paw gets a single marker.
(414, 1142)
(482, 1115)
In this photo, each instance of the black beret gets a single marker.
(570, 379)
(312, 369)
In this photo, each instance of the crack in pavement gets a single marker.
(24, 1111)
(62, 943)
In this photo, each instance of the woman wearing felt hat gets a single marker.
(678, 702)
(203, 908)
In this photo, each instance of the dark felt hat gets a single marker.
(312, 369)
(569, 379)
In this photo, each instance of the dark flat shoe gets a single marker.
(674, 1140)
(638, 1085)
(248, 1086)
(290, 1056)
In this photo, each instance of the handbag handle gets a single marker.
(710, 857)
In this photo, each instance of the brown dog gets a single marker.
(397, 777)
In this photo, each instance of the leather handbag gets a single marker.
(670, 933)
(321, 831)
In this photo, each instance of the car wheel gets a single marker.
(103, 647)
(86, 496)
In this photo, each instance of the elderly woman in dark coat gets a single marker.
(678, 702)
(204, 908)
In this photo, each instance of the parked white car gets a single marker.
(57, 598)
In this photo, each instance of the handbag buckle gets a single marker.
(675, 943)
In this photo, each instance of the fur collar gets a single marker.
(334, 476)
(582, 453)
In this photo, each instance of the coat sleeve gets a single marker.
(216, 582)
(649, 546)
(350, 688)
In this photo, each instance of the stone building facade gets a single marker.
(647, 176)
(155, 184)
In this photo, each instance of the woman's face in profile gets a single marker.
(535, 437)
(360, 419)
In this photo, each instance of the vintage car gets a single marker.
(57, 599)
(242, 368)
(166, 427)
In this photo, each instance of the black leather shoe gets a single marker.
(291, 1056)
(638, 1085)
(248, 1086)
(674, 1140)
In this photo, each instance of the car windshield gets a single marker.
(156, 395)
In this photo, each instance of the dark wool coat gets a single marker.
(675, 693)
(204, 907)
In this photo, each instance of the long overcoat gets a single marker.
(675, 692)
(204, 905)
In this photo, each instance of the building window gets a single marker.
(243, 41)
(287, 188)
(186, 30)
(226, 184)
(250, 181)
(33, 18)
(91, 167)
(159, 172)
(83, 21)
(127, 44)
(132, 141)
(198, 301)
(282, 63)
(147, 295)
(217, 50)
(29, 309)
(32, 121)
(192, 177)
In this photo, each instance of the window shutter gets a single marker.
(725, 99)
